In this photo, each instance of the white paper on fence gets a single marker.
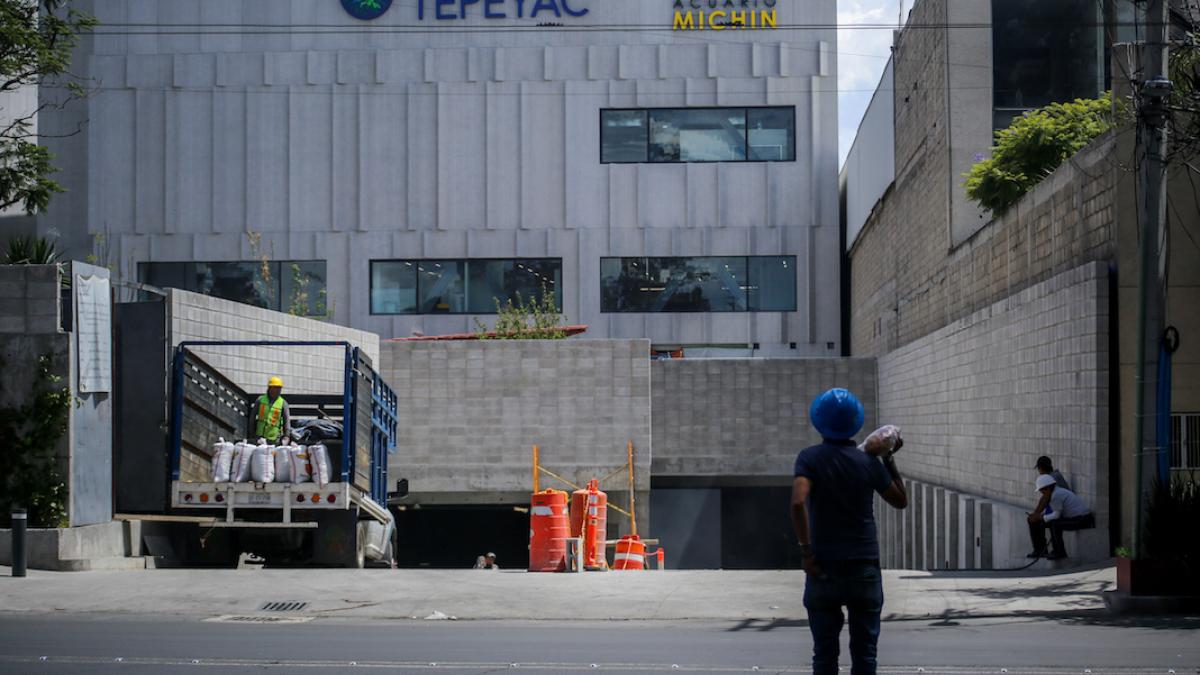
(222, 461)
(318, 456)
(243, 453)
(882, 439)
(262, 467)
(283, 465)
(301, 466)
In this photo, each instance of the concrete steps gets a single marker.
(107, 546)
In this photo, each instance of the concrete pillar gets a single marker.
(909, 525)
(938, 539)
(969, 530)
(953, 530)
(919, 529)
(985, 535)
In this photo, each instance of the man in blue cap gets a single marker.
(832, 497)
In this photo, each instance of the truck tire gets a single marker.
(360, 545)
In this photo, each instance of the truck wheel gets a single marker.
(360, 545)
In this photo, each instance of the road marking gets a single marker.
(555, 667)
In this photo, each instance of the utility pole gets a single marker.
(1153, 96)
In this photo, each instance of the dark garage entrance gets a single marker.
(452, 537)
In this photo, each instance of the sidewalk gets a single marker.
(469, 594)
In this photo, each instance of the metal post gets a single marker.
(1152, 108)
(632, 492)
(535, 469)
(19, 520)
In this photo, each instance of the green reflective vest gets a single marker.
(270, 418)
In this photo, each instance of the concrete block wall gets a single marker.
(29, 299)
(982, 398)
(470, 412)
(308, 370)
(944, 529)
(744, 417)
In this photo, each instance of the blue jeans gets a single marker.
(857, 586)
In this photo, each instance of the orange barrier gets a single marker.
(631, 553)
(589, 519)
(548, 531)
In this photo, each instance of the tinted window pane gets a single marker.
(1045, 52)
(490, 281)
(773, 284)
(441, 286)
(673, 284)
(302, 284)
(700, 135)
(771, 133)
(251, 283)
(394, 287)
(623, 136)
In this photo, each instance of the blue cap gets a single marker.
(836, 414)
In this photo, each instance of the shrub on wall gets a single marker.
(29, 435)
(1032, 147)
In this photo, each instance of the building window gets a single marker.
(1044, 52)
(1185, 441)
(698, 135)
(292, 286)
(707, 284)
(461, 286)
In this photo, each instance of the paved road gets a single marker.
(57, 643)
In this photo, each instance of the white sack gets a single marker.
(242, 454)
(262, 466)
(318, 456)
(222, 461)
(301, 466)
(283, 465)
(882, 440)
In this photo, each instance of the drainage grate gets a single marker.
(283, 606)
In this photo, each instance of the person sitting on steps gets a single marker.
(1060, 510)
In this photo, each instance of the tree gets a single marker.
(1032, 147)
(36, 40)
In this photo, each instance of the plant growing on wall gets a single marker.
(1032, 147)
(535, 319)
(29, 435)
(36, 39)
(31, 251)
(1171, 517)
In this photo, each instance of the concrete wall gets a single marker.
(870, 165)
(982, 398)
(191, 141)
(739, 419)
(30, 327)
(471, 411)
(307, 370)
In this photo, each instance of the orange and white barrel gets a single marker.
(589, 519)
(631, 553)
(548, 531)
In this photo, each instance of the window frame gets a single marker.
(791, 260)
(746, 141)
(465, 279)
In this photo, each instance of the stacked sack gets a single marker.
(265, 463)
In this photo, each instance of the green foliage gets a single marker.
(36, 39)
(1034, 146)
(298, 304)
(29, 435)
(31, 251)
(369, 4)
(537, 319)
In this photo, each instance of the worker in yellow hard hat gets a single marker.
(272, 417)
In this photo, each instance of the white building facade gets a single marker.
(400, 173)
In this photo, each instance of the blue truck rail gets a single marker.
(368, 408)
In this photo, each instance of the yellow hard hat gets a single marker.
(274, 382)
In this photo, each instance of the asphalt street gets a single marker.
(99, 643)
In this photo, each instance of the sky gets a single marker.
(862, 54)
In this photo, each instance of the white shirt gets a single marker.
(1065, 504)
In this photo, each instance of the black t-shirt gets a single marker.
(841, 517)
